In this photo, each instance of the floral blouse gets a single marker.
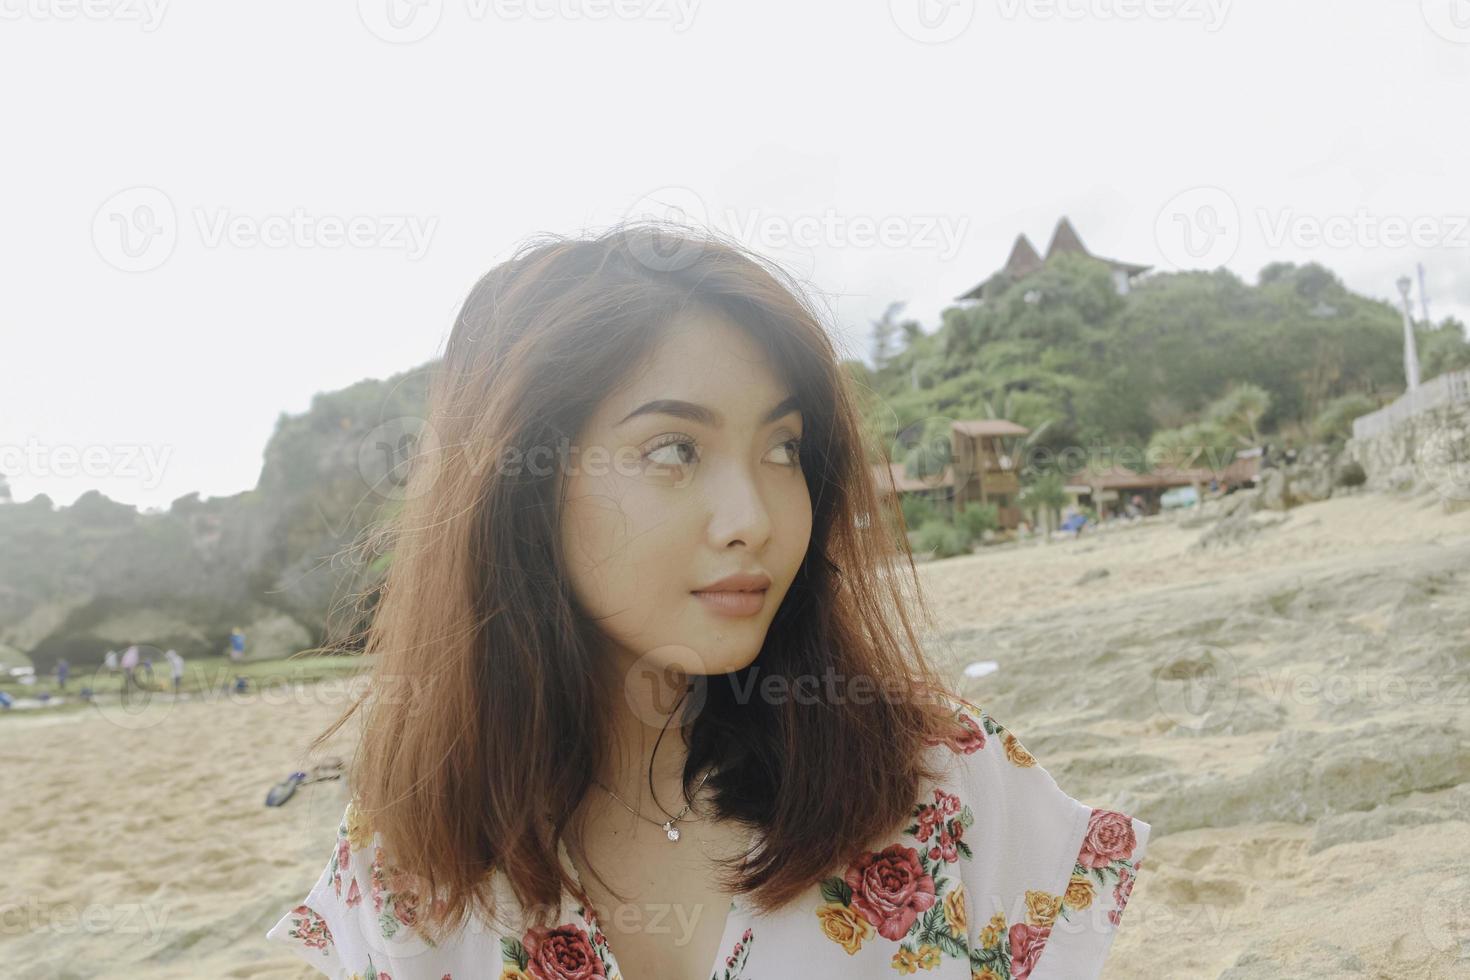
(997, 875)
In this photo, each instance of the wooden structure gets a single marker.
(1109, 490)
(983, 469)
(985, 466)
(1024, 260)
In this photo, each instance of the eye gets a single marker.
(675, 447)
(793, 451)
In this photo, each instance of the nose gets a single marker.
(738, 510)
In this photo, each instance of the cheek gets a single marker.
(619, 552)
(795, 529)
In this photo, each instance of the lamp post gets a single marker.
(1411, 352)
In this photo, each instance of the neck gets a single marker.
(647, 707)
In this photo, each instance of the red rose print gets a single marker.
(1027, 942)
(890, 889)
(561, 953)
(1109, 838)
(1121, 891)
(946, 803)
(967, 737)
(354, 895)
(311, 928)
(929, 818)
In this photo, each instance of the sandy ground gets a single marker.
(1292, 716)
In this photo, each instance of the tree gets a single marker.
(1044, 495)
(1239, 412)
(884, 330)
(1203, 444)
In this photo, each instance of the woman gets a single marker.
(649, 699)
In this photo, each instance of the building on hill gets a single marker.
(983, 469)
(1108, 490)
(1024, 260)
(986, 468)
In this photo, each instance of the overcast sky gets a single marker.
(211, 212)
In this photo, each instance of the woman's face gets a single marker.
(685, 476)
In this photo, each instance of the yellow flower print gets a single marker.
(985, 973)
(929, 957)
(1079, 892)
(1016, 752)
(954, 911)
(844, 926)
(359, 834)
(993, 932)
(1041, 908)
(905, 961)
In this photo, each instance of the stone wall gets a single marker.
(1429, 451)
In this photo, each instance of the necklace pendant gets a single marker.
(671, 830)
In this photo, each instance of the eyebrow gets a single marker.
(703, 415)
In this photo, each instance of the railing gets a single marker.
(1447, 389)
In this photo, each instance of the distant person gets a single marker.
(237, 645)
(148, 667)
(63, 670)
(176, 668)
(110, 661)
(130, 664)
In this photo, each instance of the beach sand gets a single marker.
(1292, 717)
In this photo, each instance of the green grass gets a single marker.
(202, 674)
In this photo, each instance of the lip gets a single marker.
(746, 603)
(735, 595)
(743, 582)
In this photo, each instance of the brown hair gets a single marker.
(488, 701)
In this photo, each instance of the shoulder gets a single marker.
(1041, 871)
(359, 916)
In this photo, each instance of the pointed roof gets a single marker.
(1024, 260)
(1065, 239)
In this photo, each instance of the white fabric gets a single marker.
(998, 875)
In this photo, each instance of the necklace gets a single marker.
(668, 825)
